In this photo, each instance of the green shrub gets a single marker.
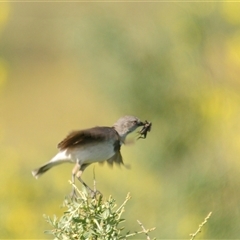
(92, 218)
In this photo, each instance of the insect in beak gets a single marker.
(145, 129)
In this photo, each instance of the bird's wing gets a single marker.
(90, 135)
(116, 158)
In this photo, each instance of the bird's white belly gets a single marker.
(92, 153)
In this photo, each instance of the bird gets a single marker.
(87, 146)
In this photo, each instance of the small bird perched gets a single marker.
(91, 145)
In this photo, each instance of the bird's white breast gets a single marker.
(92, 152)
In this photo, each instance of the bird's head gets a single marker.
(126, 125)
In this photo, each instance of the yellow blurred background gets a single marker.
(68, 66)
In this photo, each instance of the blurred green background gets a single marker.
(67, 66)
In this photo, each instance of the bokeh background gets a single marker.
(67, 66)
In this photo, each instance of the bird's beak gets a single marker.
(141, 124)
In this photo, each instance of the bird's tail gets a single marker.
(39, 171)
(61, 157)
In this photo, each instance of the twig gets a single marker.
(120, 208)
(78, 191)
(193, 235)
(144, 230)
(94, 179)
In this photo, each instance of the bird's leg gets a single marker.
(77, 172)
(78, 175)
(95, 192)
(74, 171)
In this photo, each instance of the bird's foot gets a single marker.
(92, 193)
(73, 194)
(95, 193)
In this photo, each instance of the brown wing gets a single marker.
(116, 158)
(90, 135)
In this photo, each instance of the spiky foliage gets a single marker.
(92, 218)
